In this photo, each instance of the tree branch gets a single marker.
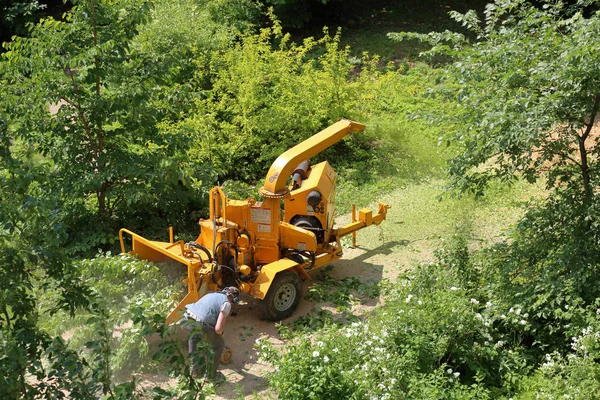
(593, 114)
(583, 151)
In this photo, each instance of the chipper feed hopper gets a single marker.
(266, 248)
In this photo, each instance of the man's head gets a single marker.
(233, 293)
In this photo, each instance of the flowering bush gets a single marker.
(431, 339)
(575, 375)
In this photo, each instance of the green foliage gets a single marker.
(575, 376)
(101, 143)
(97, 113)
(431, 339)
(456, 329)
(16, 15)
(341, 291)
(262, 101)
(178, 32)
(189, 388)
(31, 251)
(549, 268)
(121, 283)
(542, 67)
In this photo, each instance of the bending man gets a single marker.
(209, 314)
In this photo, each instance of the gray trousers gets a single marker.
(216, 346)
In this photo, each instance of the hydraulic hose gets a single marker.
(200, 247)
(232, 245)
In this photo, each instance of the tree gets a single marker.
(527, 86)
(84, 98)
(31, 242)
(16, 15)
(267, 94)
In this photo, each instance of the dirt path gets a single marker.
(245, 373)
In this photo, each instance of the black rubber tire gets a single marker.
(283, 296)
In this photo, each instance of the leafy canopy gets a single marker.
(527, 85)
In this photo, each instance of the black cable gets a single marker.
(302, 253)
(232, 245)
(200, 247)
(311, 255)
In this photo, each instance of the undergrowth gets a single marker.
(517, 319)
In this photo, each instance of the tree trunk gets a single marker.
(585, 168)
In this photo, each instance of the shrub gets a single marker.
(431, 339)
(265, 95)
(549, 268)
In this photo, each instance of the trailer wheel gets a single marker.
(283, 296)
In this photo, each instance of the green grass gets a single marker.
(419, 221)
(365, 24)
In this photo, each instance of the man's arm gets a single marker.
(220, 326)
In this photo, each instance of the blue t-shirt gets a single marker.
(207, 309)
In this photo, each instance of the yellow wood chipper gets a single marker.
(266, 248)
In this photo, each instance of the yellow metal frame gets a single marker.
(197, 268)
(276, 180)
(264, 222)
(327, 255)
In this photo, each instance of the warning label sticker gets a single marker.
(261, 215)
(264, 228)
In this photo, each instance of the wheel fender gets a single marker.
(267, 274)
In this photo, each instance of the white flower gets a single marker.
(420, 302)
(315, 353)
(410, 296)
(449, 371)
(453, 288)
(474, 301)
(326, 359)
(523, 322)
(335, 350)
(456, 374)
(320, 344)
